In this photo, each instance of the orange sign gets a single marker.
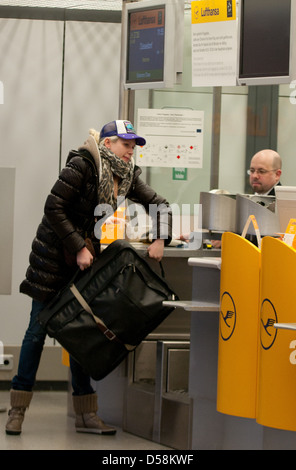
(147, 19)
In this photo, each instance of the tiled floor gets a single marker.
(48, 427)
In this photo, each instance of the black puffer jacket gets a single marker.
(68, 214)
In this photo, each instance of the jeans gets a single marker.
(31, 350)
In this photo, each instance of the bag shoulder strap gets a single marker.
(108, 333)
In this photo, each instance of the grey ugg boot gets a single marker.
(20, 401)
(87, 420)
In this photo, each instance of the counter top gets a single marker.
(194, 305)
(180, 252)
(205, 261)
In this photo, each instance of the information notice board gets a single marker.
(174, 138)
(214, 43)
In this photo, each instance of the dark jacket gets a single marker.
(68, 216)
(272, 191)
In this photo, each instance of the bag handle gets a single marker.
(162, 269)
(146, 255)
(252, 219)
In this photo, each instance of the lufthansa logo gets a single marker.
(268, 318)
(227, 316)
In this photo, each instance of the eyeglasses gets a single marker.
(260, 171)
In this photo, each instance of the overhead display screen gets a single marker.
(265, 38)
(146, 43)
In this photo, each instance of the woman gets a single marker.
(98, 173)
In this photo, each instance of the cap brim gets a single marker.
(139, 140)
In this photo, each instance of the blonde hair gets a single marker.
(96, 136)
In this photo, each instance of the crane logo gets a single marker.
(227, 316)
(268, 317)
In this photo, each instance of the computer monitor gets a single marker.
(267, 53)
(285, 205)
(152, 48)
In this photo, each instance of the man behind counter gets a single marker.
(265, 172)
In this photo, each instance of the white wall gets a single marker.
(92, 69)
(31, 54)
(31, 62)
(233, 138)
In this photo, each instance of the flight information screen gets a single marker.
(265, 38)
(146, 40)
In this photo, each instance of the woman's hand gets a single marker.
(84, 258)
(155, 250)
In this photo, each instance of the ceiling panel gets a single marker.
(71, 4)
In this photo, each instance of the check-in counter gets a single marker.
(262, 415)
(157, 404)
(150, 390)
(166, 390)
(229, 213)
(207, 423)
(157, 392)
(143, 395)
(218, 211)
(262, 208)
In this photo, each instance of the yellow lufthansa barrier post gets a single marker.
(276, 404)
(239, 323)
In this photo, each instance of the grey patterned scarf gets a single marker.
(108, 165)
(111, 165)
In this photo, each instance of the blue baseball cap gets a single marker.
(123, 129)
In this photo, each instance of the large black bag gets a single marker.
(108, 310)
